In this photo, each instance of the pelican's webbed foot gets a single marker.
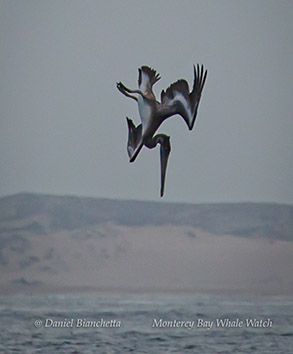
(124, 90)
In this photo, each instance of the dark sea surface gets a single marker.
(103, 323)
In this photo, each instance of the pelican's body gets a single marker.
(175, 100)
(146, 112)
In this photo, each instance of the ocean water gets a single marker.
(104, 323)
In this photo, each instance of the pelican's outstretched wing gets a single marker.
(134, 138)
(178, 100)
(147, 77)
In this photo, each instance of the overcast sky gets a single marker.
(62, 120)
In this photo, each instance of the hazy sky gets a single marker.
(62, 120)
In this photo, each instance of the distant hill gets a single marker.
(60, 243)
(68, 213)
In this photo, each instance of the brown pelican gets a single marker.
(175, 100)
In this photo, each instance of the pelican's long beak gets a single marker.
(164, 153)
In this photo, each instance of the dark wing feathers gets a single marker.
(178, 86)
(147, 77)
(134, 136)
(199, 81)
(178, 100)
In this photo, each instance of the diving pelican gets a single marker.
(175, 100)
